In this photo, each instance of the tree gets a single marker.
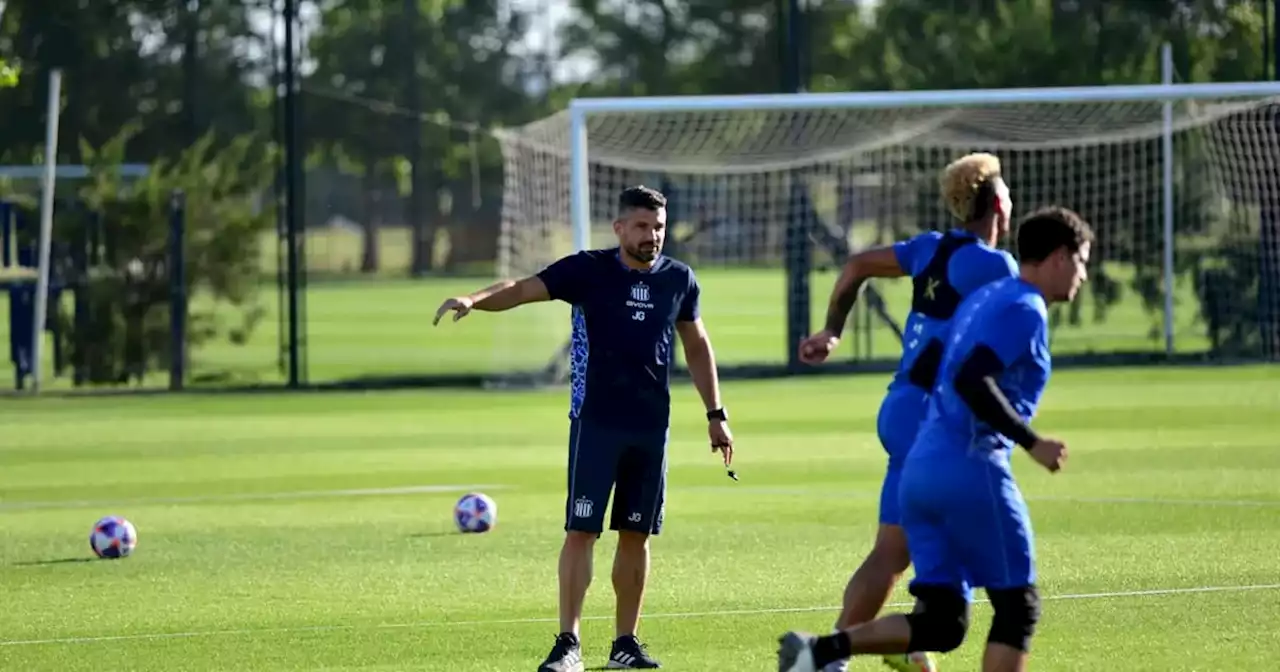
(375, 60)
(123, 64)
(9, 74)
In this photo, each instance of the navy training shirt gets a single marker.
(969, 264)
(623, 334)
(1011, 318)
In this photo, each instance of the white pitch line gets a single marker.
(865, 494)
(435, 489)
(1157, 592)
(1157, 501)
(246, 497)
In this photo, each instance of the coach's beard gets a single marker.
(646, 252)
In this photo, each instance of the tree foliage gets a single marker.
(9, 74)
(389, 73)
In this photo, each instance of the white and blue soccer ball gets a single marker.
(113, 537)
(475, 512)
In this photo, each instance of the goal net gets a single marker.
(747, 187)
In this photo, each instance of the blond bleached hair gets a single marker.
(963, 179)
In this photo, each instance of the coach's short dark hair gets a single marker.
(1042, 232)
(641, 196)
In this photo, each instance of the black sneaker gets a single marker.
(565, 656)
(629, 654)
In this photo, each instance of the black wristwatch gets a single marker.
(718, 414)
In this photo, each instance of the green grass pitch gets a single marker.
(313, 531)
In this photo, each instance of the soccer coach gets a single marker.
(628, 302)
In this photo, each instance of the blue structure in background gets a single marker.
(177, 290)
(18, 239)
(69, 265)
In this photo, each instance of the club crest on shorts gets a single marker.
(582, 508)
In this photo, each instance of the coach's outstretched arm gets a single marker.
(701, 360)
(497, 297)
(878, 262)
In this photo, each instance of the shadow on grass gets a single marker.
(59, 561)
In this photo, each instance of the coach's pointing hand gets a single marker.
(1050, 453)
(461, 305)
(721, 439)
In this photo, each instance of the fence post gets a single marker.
(6, 233)
(1167, 198)
(177, 291)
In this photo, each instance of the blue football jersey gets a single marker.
(944, 269)
(1010, 317)
(623, 334)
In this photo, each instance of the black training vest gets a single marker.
(933, 296)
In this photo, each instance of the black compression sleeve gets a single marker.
(975, 383)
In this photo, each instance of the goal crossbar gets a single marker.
(933, 98)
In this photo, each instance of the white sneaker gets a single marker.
(795, 652)
(838, 666)
(911, 662)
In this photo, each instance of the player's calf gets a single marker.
(870, 586)
(630, 575)
(574, 570)
(940, 621)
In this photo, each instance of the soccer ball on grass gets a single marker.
(475, 512)
(113, 537)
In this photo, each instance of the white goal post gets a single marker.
(46, 227)
(1157, 169)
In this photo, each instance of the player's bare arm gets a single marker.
(879, 262)
(701, 360)
(497, 297)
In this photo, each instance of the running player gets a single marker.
(944, 268)
(966, 521)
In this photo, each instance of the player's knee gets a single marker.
(632, 540)
(580, 539)
(1017, 610)
(940, 621)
